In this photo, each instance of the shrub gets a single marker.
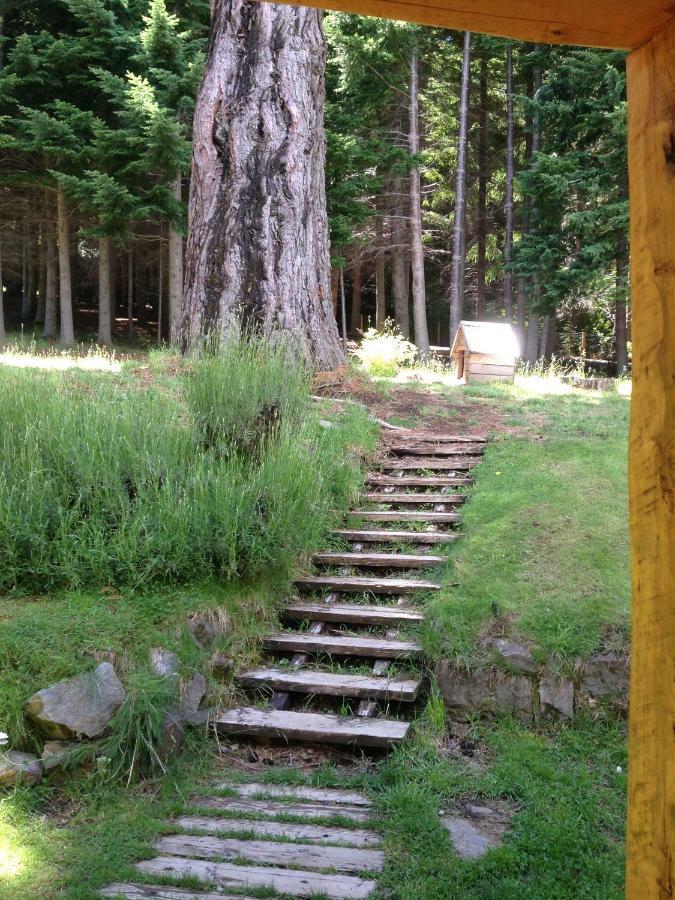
(384, 352)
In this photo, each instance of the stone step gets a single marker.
(334, 684)
(315, 727)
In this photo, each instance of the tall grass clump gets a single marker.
(107, 481)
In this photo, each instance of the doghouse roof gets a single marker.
(491, 338)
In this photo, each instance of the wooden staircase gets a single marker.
(350, 645)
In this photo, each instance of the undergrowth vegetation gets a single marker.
(105, 479)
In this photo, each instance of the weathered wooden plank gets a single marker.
(271, 853)
(602, 23)
(334, 684)
(416, 436)
(320, 834)
(429, 463)
(651, 761)
(293, 882)
(352, 612)
(333, 645)
(363, 583)
(297, 791)
(299, 726)
(484, 368)
(273, 809)
(417, 499)
(380, 560)
(404, 515)
(418, 480)
(423, 449)
(387, 536)
(130, 891)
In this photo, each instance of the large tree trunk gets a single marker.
(481, 224)
(104, 306)
(51, 293)
(42, 282)
(399, 261)
(3, 333)
(131, 333)
(419, 291)
(257, 253)
(175, 268)
(458, 239)
(380, 284)
(67, 335)
(508, 199)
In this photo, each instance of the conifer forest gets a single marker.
(465, 177)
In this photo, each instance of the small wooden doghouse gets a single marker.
(485, 351)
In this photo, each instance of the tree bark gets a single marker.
(42, 283)
(481, 224)
(458, 239)
(104, 310)
(380, 283)
(620, 325)
(355, 319)
(160, 282)
(51, 313)
(532, 339)
(3, 333)
(258, 253)
(130, 294)
(67, 333)
(175, 268)
(508, 199)
(521, 311)
(399, 261)
(335, 288)
(419, 292)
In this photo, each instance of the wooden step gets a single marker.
(299, 726)
(429, 449)
(357, 613)
(333, 645)
(418, 480)
(376, 560)
(387, 536)
(273, 809)
(297, 792)
(271, 853)
(452, 464)
(318, 834)
(130, 891)
(416, 498)
(334, 684)
(416, 436)
(289, 882)
(363, 584)
(404, 515)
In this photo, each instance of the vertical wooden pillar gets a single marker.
(651, 103)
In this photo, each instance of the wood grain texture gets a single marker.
(414, 499)
(332, 684)
(293, 882)
(380, 560)
(357, 613)
(651, 768)
(323, 834)
(273, 809)
(451, 464)
(271, 853)
(131, 891)
(621, 24)
(298, 726)
(404, 515)
(297, 791)
(388, 536)
(439, 449)
(362, 584)
(419, 480)
(376, 648)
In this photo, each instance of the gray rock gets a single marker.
(163, 662)
(485, 692)
(78, 706)
(208, 627)
(476, 811)
(222, 665)
(467, 839)
(556, 696)
(606, 675)
(172, 735)
(193, 692)
(19, 768)
(55, 753)
(516, 656)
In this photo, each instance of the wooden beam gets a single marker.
(621, 24)
(651, 103)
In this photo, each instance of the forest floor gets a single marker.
(544, 556)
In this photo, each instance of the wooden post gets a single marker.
(651, 780)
